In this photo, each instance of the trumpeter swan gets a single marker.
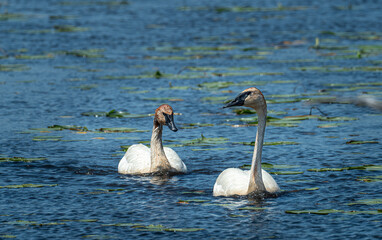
(234, 181)
(140, 159)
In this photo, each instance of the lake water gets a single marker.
(70, 63)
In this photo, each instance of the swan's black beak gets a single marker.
(238, 101)
(170, 122)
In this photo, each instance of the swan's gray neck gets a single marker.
(159, 161)
(256, 179)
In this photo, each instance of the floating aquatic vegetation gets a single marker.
(10, 16)
(94, 236)
(311, 189)
(121, 225)
(205, 69)
(331, 125)
(47, 138)
(270, 143)
(214, 100)
(334, 119)
(120, 129)
(13, 67)
(290, 121)
(60, 17)
(241, 74)
(203, 141)
(243, 111)
(69, 28)
(372, 212)
(363, 167)
(352, 89)
(192, 48)
(361, 142)
(87, 87)
(161, 228)
(319, 212)
(79, 220)
(252, 208)
(216, 85)
(287, 100)
(339, 69)
(108, 3)
(21, 159)
(354, 84)
(112, 114)
(108, 191)
(281, 143)
(280, 123)
(35, 57)
(67, 127)
(208, 149)
(279, 7)
(29, 185)
(161, 99)
(33, 223)
(88, 53)
(193, 201)
(287, 172)
(370, 178)
(22, 222)
(195, 125)
(7, 236)
(278, 166)
(194, 192)
(237, 215)
(293, 61)
(367, 202)
(178, 58)
(152, 228)
(254, 57)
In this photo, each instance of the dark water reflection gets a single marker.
(45, 80)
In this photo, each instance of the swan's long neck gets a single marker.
(256, 179)
(159, 161)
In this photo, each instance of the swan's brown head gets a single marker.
(164, 115)
(250, 97)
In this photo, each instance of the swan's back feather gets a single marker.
(137, 160)
(269, 183)
(175, 160)
(234, 181)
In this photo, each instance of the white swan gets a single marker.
(140, 159)
(234, 181)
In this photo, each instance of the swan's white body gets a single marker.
(234, 181)
(140, 159)
(137, 160)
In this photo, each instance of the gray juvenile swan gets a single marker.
(140, 159)
(234, 181)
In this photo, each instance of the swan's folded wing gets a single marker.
(232, 181)
(136, 160)
(269, 183)
(175, 160)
